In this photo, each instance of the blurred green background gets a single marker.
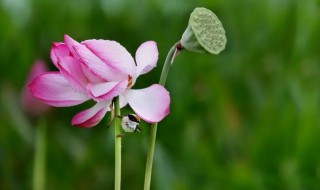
(245, 119)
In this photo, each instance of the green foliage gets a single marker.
(247, 118)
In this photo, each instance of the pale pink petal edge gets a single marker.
(152, 104)
(146, 57)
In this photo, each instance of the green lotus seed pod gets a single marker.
(204, 33)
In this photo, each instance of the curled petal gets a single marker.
(146, 57)
(107, 90)
(53, 89)
(58, 51)
(113, 54)
(71, 69)
(152, 104)
(92, 116)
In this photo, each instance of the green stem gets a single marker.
(39, 165)
(117, 146)
(153, 135)
(167, 64)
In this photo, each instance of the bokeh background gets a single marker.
(245, 119)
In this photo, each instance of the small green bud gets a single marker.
(204, 33)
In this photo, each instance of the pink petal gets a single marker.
(90, 73)
(94, 68)
(123, 101)
(91, 76)
(58, 51)
(146, 57)
(53, 89)
(151, 104)
(113, 54)
(107, 90)
(97, 66)
(71, 43)
(92, 116)
(71, 69)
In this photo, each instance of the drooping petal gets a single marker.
(146, 57)
(71, 69)
(113, 54)
(58, 51)
(92, 116)
(53, 89)
(152, 104)
(107, 90)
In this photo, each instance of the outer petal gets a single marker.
(92, 116)
(107, 90)
(113, 54)
(71, 69)
(151, 104)
(146, 57)
(58, 51)
(53, 89)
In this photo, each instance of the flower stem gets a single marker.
(39, 165)
(117, 145)
(167, 64)
(165, 70)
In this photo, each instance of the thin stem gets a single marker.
(148, 174)
(39, 165)
(117, 145)
(167, 64)
(153, 135)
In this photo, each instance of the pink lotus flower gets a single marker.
(101, 70)
(32, 105)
